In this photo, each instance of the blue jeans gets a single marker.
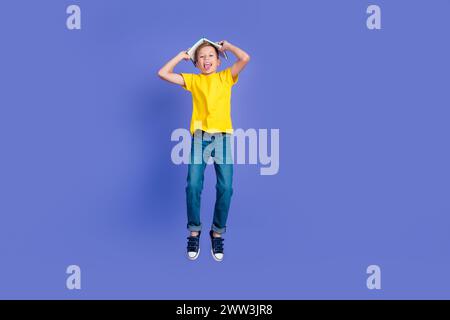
(218, 149)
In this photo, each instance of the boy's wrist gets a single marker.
(227, 46)
(183, 55)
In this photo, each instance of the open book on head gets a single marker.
(191, 51)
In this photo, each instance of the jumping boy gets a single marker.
(210, 124)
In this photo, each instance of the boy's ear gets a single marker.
(219, 62)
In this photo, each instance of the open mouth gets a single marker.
(207, 66)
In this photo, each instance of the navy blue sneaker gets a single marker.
(216, 247)
(193, 247)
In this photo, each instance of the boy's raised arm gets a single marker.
(166, 72)
(242, 56)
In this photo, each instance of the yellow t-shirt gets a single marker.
(211, 100)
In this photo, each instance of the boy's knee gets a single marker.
(225, 188)
(194, 186)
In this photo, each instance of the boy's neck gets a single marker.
(208, 74)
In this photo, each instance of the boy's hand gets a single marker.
(225, 45)
(184, 55)
(166, 72)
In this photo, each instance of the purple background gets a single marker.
(87, 179)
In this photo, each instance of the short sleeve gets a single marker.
(228, 78)
(188, 79)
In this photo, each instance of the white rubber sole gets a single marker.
(194, 258)
(214, 257)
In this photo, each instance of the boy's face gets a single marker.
(207, 60)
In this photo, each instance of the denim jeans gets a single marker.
(218, 150)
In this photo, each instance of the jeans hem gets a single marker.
(194, 228)
(218, 230)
